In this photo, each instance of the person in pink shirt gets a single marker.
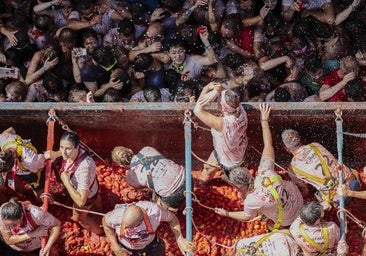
(314, 235)
(22, 226)
(77, 173)
(228, 130)
(277, 199)
(150, 169)
(271, 244)
(131, 229)
(315, 165)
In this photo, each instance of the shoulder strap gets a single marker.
(76, 163)
(252, 249)
(267, 182)
(147, 222)
(314, 244)
(27, 214)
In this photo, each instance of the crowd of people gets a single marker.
(161, 50)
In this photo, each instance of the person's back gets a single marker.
(264, 198)
(312, 233)
(279, 241)
(167, 176)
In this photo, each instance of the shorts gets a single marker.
(155, 248)
(177, 198)
(32, 178)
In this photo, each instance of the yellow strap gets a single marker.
(256, 245)
(20, 143)
(314, 244)
(268, 183)
(322, 161)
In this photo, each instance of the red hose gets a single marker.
(50, 141)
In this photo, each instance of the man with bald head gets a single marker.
(316, 166)
(131, 229)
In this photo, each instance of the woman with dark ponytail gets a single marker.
(22, 226)
(78, 175)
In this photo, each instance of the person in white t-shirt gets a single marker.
(272, 243)
(228, 130)
(21, 164)
(314, 235)
(22, 226)
(131, 229)
(150, 169)
(279, 200)
(315, 165)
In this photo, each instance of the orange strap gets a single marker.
(146, 221)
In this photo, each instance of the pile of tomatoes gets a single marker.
(214, 235)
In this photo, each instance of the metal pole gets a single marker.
(339, 131)
(188, 163)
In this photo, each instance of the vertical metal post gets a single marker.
(339, 131)
(188, 163)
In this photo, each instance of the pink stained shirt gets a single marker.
(260, 200)
(315, 232)
(306, 160)
(138, 238)
(84, 177)
(230, 144)
(29, 159)
(41, 218)
(167, 176)
(277, 242)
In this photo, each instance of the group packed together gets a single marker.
(162, 50)
(297, 228)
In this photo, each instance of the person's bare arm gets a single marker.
(209, 93)
(111, 237)
(186, 13)
(326, 15)
(327, 91)
(239, 215)
(268, 150)
(343, 15)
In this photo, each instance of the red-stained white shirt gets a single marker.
(275, 245)
(84, 177)
(315, 233)
(260, 200)
(231, 144)
(29, 159)
(167, 176)
(307, 160)
(40, 217)
(138, 238)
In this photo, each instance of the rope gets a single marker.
(358, 135)
(197, 229)
(205, 162)
(67, 128)
(52, 201)
(279, 166)
(359, 223)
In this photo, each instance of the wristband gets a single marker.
(353, 7)
(44, 68)
(207, 47)
(189, 11)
